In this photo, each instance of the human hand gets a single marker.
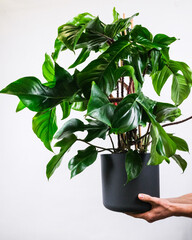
(161, 208)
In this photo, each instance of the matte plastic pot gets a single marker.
(121, 197)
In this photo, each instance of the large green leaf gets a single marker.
(165, 145)
(96, 129)
(159, 78)
(180, 143)
(166, 112)
(80, 106)
(48, 69)
(112, 30)
(20, 106)
(70, 32)
(180, 161)
(38, 97)
(127, 115)
(99, 106)
(176, 66)
(55, 162)
(71, 126)
(163, 40)
(133, 165)
(82, 160)
(45, 126)
(102, 70)
(180, 90)
(139, 31)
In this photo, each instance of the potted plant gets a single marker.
(109, 93)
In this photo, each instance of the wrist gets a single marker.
(179, 209)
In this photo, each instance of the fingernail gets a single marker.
(141, 196)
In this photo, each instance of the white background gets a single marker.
(33, 208)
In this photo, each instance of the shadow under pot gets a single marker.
(121, 197)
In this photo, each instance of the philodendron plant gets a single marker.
(109, 93)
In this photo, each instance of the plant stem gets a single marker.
(104, 149)
(112, 142)
(178, 122)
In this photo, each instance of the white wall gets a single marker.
(31, 208)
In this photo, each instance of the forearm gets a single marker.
(185, 199)
(184, 210)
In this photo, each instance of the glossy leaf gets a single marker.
(45, 126)
(48, 69)
(180, 143)
(127, 70)
(20, 106)
(180, 90)
(180, 161)
(66, 109)
(99, 106)
(112, 30)
(165, 145)
(159, 78)
(55, 162)
(102, 70)
(80, 106)
(96, 129)
(176, 66)
(69, 127)
(59, 46)
(81, 58)
(166, 112)
(164, 40)
(82, 160)
(139, 31)
(133, 165)
(127, 115)
(38, 97)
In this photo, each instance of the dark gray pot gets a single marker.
(123, 198)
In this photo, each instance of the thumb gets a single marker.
(147, 198)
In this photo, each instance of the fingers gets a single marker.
(148, 198)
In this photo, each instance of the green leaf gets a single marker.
(133, 165)
(164, 40)
(102, 70)
(20, 106)
(99, 106)
(82, 160)
(45, 126)
(165, 145)
(48, 69)
(55, 162)
(180, 90)
(112, 30)
(80, 106)
(155, 157)
(81, 19)
(166, 112)
(180, 161)
(81, 58)
(136, 62)
(59, 46)
(66, 109)
(116, 15)
(155, 56)
(139, 31)
(159, 78)
(180, 143)
(127, 70)
(38, 97)
(69, 34)
(69, 127)
(176, 66)
(96, 129)
(127, 115)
